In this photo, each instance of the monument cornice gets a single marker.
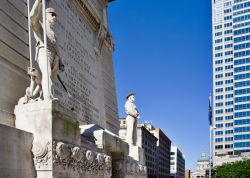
(90, 15)
(104, 3)
(94, 20)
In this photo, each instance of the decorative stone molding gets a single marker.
(118, 166)
(79, 160)
(90, 156)
(77, 154)
(103, 37)
(90, 17)
(110, 42)
(63, 151)
(42, 155)
(135, 169)
(128, 168)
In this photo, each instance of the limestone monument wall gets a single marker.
(85, 47)
(77, 135)
(15, 155)
(14, 56)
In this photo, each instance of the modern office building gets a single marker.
(177, 163)
(163, 145)
(156, 145)
(147, 141)
(231, 77)
(163, 151)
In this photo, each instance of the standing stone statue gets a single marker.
(54, 63)
(131, 119)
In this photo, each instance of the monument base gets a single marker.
(137, 153)
(57, 146)
(62, 148)
(127, 160)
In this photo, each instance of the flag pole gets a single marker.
(29, 30)
(210, 135)
(210, 154)
(46, 75)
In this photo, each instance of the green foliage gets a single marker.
(239, 169)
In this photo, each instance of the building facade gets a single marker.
(201, 166)
(163, 151)
(157, 147)
(147, 141)
(187, 173)
(231, 84)
(177, 163)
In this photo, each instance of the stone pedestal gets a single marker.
(63, 149)
(49, 123)
(137, 153)
(58, 147)
(127, 160)
(104, 139)
(48, 120)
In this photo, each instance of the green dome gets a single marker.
(203, 157)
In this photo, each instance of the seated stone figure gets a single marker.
(34, 91)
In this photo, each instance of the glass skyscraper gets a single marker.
(231, 76)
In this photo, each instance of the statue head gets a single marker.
(51, 16)
(130, 97)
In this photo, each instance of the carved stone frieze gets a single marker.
(118, 168)
(107, 165)
(87, 13)
(42, 155)
(134, 168)
(79, 160)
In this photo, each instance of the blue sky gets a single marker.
(163, 53)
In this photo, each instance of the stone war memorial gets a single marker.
(58, 106)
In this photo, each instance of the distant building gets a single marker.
(147, 141)
(201, 167)
(157, 147)
(163, 151)
(187, 173)
(177, 163)
(123, 127)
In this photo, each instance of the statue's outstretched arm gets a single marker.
(35, 15)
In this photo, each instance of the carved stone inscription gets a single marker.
(76, 40)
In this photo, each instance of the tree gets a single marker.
(239, 169)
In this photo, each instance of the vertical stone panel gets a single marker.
(14, 56)
(111, 111)
(15, 155)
